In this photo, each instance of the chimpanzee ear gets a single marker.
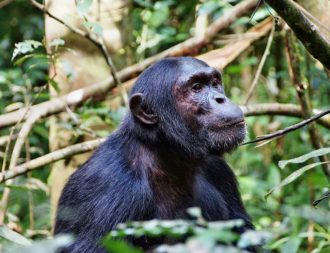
(145, 115)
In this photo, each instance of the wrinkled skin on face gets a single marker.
(209, 114)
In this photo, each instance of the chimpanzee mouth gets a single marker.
(235, 123)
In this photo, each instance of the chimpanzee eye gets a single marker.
(215, 83)
(196, 87)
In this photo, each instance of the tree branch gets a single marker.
(283, 110)
(50, 158)
(306, 32)
(288, 129)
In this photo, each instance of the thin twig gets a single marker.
(4, 139)
(288, 129)
(324, 196)
(30, 193)
(255, 10)
(317, 45)
(261, 64)
(21, 137)
(50, 158)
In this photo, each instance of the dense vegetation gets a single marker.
(282, 197)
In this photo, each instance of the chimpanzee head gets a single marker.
(181, 102)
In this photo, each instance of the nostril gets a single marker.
(220, 99)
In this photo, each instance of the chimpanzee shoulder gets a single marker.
(102, 193)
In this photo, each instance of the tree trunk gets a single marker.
(79, 67)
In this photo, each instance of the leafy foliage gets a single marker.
(286, 215)
(204, 236)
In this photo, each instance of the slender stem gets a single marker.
(288, 129)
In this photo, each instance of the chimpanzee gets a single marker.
(166, 156)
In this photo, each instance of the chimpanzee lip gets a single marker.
(233, 123)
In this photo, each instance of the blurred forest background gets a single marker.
(66, 68)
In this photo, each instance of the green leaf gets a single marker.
(303, 158)
(94, 27)
(292, 245)
(24, 47)
(160, 15)
(116, 246)
(49, 246)
(316, 215)
(294, 176)
(83, 6)
(28, 56)
(12, 236)
(253, 238)
(54, 84)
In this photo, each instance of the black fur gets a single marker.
(150, 171)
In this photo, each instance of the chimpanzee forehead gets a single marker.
(193, 69)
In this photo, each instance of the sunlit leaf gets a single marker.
(24, 47)
(317, 215)
(294, 176)
(303, 158)
(253, 238)
(291, 246)
(49, 246)
(83, 6)
(28, 56)
(14, 237)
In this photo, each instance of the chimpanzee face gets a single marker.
(208, 113)
(183, 99)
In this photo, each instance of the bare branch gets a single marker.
(26, 128)
(306, 32)
(261, 64)
(288, 129)
(50, 158)
(283, 110)
(5, 139)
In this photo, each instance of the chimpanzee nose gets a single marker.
(220, 99)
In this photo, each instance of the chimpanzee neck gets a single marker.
(156, 157)
(174, 161)
(171, 175)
